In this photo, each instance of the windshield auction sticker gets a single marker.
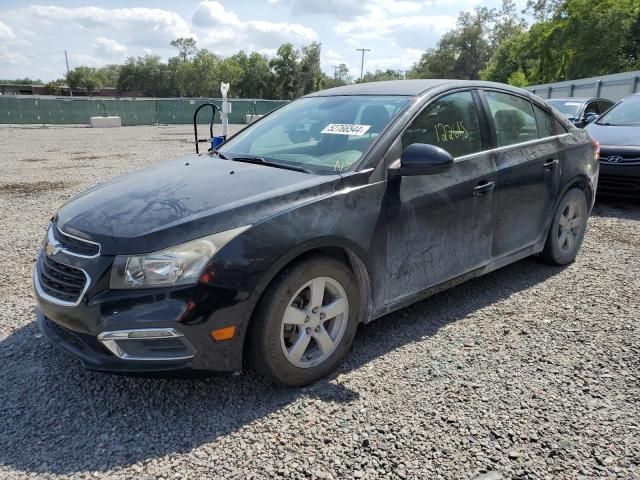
(346, 129)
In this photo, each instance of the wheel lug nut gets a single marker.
(308, 330)
(318, 329)
(306, 319)
(315, 310)
(322, 316)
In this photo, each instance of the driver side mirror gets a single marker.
(424, 159)
(590, 117)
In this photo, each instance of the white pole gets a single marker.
(226, 109)
(66, 59)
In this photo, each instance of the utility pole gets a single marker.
(66, 59)
(362, 64)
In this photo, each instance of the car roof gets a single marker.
(406, 87)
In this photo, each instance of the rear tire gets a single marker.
(305, 322)
(567, 229)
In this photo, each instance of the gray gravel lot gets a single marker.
(529, 372)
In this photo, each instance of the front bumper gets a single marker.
(93, 355)
(619, 179)
(191, 312)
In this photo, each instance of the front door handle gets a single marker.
(550, 164)
(484, 187)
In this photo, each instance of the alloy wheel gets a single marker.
(570, 225)
(314, 322)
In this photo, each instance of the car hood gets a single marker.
(180, 200)
(613, 135)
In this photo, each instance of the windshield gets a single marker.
(625, 113)
(567, 107)
(321, 134)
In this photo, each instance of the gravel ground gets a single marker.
(529, 372)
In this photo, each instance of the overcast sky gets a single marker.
(100, 32)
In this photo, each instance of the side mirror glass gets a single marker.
(424, 159)
(590, 117)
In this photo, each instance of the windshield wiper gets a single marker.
(269, 163)
(220, 154)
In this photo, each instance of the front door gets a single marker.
(528, 163)
(440, 226)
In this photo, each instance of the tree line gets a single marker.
(198, 72)
(567, 39)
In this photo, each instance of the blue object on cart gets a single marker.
(217, 141)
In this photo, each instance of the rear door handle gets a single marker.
(484, 187)
(550, 164)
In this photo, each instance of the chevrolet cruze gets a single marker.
(336, 209)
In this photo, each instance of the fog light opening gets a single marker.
(153, 344)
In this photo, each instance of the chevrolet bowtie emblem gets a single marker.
(52, 249)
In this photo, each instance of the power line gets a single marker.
(45, 54)
(66, 61)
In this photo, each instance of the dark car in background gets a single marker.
(333, 210)
(581, 111)
(618, 132)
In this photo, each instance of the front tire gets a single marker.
(567, 229)
(305, 322)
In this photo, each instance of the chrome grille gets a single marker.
(74, 245)
(616, 157)
(61, 283)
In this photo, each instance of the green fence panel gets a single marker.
(66, 110)
(19, 110)
(132, 112)
(180, 110)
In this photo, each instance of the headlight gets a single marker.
(177, 265)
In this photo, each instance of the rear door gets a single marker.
(440, 226)
(528, 164)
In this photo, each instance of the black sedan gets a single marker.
(334, 210)
(581, 111)
(618, 132)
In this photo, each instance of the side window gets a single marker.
(592, 107)
(559, 127)
(545, 122)
(604, 106)
(513, 118)
(451, 122)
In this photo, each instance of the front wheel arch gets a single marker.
(329, 249)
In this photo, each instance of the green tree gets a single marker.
(381, 75)
(84, 77)
(286, 68)
(146, 74)
(109, 75)
(461, 53)
(310, 72)
(21, 81)
(54, 87)
(571, 39)
(341, 76)
(256, 75)
(518, 79)
(186, 46)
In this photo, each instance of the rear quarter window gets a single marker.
(513, 118)
(544, 121)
